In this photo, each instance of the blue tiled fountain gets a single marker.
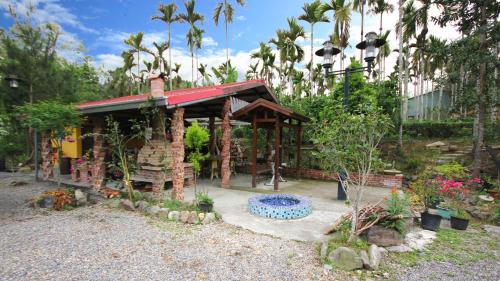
(280, 206)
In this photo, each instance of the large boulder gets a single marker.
(142, 205)
(492, 229)
(127, 205)
(80, 197)
(345, 258)
(382, 236)
(209, 217)
(184, 216)
(153, 210)
(163, 213)
(436, 144)
(174, 215)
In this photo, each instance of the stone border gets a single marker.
(299, 210)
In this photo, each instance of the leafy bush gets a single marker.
(398, 209)
(447, 129)
(203, 198)
(414, 165)
(196, 138)
(451, 171)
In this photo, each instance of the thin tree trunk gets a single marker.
(138, 72)
(400, 75)
(362, 28)
(311, 67)
(169, 59)
(481, 100)
(192, 69)
(227, 42)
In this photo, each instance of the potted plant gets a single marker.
(460, 219)
(204, 202)
(426, 189)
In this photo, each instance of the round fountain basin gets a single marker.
(280, 206)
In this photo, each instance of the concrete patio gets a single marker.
(231, 204)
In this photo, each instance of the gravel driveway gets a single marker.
(97, 243)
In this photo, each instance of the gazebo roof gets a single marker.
(200, 100)
(262, 105)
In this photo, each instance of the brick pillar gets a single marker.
(226, 145)
(212, 138)
(47, 163)
(98, 169)
(178, 154)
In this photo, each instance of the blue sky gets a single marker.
(101, 25)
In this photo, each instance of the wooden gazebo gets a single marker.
(266, 114)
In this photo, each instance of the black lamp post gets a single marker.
(370, 45)
(14, 81)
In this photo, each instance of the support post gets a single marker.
(212, 139)
(226, 145)
(178, 154)
(254, 151)
(35, 136)
(340, 190)
(277, 149)
(299, 143)
(98, 170)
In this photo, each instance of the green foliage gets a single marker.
(397, 206)
(438, 129)
(414, 165)
(451, 170)
(461, 214)
(203, 198)
(196, 138)
(426, 188)
(50, 116)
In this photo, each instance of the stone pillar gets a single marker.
(226, 145)
(98, 169)
(47, 163)
(178, 154)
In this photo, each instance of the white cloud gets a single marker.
(46, 11)
(209, 42)
(240, 18)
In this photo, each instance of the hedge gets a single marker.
(447, 129)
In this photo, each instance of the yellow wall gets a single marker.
(72, 149)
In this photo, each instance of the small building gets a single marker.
(162, 159)
(430, 106)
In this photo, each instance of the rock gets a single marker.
(382, 236)
(47, 202)
(209, 217)
(193, 217)
(127, 205)
(452, 148)
(153, 210)
(174, 215)
(486, 198)
(142, 205)
(375, 256)
(383, 251)
(93, 198)
(163, 213)
(17, 182)
(419, 240)
(323, 250)
(364, 258)
(80, 197)
(201, 216)
(399, 249)
(327, 267)
(436, 144)
(184, 216)
(427, 234)
(345, 258)
(491, 229)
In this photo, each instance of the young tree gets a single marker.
(349, 143)
(196, 138)
(135, 41)
(52, 118)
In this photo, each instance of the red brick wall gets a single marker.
(374, 180)
(226, 145)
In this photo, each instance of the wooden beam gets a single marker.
(254, 152)
(277, 148)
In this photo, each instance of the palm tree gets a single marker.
(312, 14)
(198, 38)
(252, 72)
(158, 61)
(404, 98)
(359, 5)
(168, 16)
(438, 60)
(342, 15)
(176, 69)
(381, 7)
(135, 41)
(128, 64)
(384, 52)
(202, 69)
(265, 54)
(228, 10)
(191, 17)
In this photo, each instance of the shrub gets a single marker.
(203, 198)
(397, 208)
(451, 171)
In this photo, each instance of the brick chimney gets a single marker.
(157, 86)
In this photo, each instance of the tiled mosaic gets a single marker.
(280, 206)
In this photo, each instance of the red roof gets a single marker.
(181, 96)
